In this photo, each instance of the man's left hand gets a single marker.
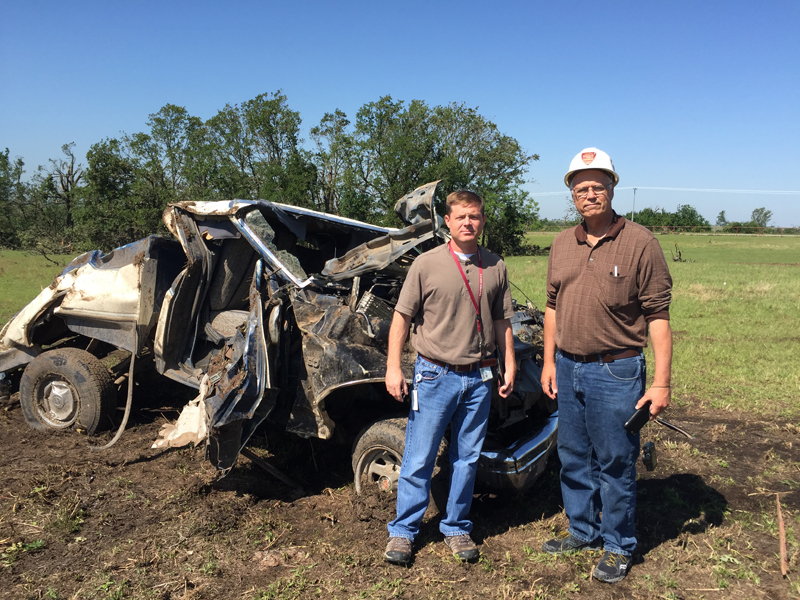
(659, 398)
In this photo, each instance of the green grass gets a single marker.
(735, 318)
(22, 277)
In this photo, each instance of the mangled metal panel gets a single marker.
(379, 253)
(17, 330)
(231, 208)
(261, 235)
(416, 209)
(113, 297)
(177, 320)
(103, 296)
(340, 347)
(245, 395)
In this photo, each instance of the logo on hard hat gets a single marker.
(588, 157)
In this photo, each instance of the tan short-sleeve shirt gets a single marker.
(435, 295)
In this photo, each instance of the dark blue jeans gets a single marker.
(462, 400)
(598, 456)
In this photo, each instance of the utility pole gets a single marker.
(633, 212)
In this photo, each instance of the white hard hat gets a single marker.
(591, 158)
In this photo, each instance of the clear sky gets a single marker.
(681, 94)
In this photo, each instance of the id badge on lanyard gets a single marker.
(475, 304)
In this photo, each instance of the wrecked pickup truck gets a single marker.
(269, 311)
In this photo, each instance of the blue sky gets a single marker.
(681, 94)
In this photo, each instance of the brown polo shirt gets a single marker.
(434, 294)
(605, 295)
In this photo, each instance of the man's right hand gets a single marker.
(549, 385)
(396, 383)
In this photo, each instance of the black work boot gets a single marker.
(566, 542)
(612, 567)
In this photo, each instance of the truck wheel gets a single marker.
(67, 387)
(378, 454)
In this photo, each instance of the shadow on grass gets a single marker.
(670, 507)
(495, 512)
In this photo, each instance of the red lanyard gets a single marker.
(477, 304)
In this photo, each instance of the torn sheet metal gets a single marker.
(102, 296)
(340, 347)
(416, 207)
(379, 253)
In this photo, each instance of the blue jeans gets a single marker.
(598, 457)
(462, 400)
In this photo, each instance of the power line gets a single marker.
(674, 189)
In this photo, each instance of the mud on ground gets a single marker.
(132, 522)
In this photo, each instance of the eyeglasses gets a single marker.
(598, 190)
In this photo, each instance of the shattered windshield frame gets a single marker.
(255, 228)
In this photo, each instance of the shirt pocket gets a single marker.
(616, 291)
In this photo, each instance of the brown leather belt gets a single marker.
(604, 357)
(489, 362)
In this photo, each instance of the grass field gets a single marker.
(22, 277)
(735, 318)
(735, 315)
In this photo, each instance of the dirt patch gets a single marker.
(132, 522)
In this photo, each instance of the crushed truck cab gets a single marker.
(269, 311)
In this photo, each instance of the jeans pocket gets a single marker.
(426, 371)
(626, 369)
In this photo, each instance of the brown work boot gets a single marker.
(398, 551)
(462, 547)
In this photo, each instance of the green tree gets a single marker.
(46, 216)
(397, 146)
(334, 151)
(721, 219)
(113, 212)
(12, 198)
(652, 217)
(171, 131)
(393, 147)
(761, 217)
(687, 216)
(258, 154)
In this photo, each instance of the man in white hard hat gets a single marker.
(607, 285)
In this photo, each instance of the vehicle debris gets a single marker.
(272, 312)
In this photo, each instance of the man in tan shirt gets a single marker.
(459, 298)
(607, 285)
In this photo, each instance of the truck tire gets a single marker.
(67, 387)
(378, 456)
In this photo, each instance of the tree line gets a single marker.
(254, 150)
